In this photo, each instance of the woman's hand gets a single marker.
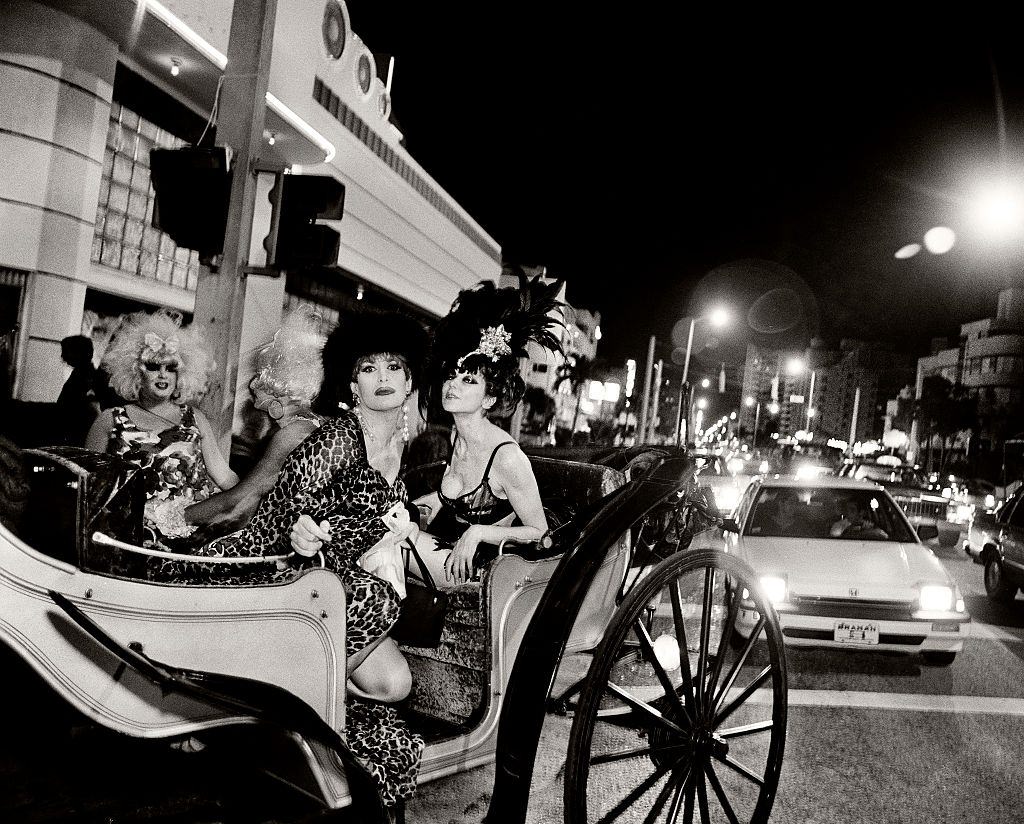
(308, 537)
(458, 566)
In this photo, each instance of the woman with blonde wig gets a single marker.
(161, 369)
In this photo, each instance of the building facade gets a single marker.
(88, 89)
(987, 364)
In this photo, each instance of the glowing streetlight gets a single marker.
(999, 210)
(704, 384)
(795, 366)
(718, 317)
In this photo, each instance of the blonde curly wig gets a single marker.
(290, 366)
(158, 335)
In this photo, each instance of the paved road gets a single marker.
(872, 738)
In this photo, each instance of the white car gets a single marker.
(845, 569)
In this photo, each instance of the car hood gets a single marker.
(831, 567)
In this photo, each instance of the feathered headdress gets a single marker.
(488, 328)
(290, 365)
(157, 336)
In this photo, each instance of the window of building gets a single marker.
(540, 367)
(125, 238)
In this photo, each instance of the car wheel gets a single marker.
(996, 586)
(939, 659)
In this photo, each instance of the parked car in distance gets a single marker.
(996, 542)
(845, 569)
(909, 488)
(722, 480)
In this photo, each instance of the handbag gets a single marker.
(422, 614)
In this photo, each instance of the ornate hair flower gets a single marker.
(495, 343)
(155, 346)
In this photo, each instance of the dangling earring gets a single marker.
(405, 422)
(280, 410)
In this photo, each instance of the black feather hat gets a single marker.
(488, 329)
(362, 334)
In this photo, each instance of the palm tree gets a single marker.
(577, 370)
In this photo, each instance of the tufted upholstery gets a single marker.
(454, 681)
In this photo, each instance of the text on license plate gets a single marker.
(856, 632)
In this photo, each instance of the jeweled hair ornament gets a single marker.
(494, 343)
(489, 328)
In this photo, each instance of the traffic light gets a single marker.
(296, 239)
(192, 187)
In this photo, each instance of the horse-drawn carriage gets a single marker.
(607, 619)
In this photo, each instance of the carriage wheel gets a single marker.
(660, 736)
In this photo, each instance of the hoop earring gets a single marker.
(405, 423)
(280, 410)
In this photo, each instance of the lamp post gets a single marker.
(717, 317)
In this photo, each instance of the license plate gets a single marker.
(856, 632)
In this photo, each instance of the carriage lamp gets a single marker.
(666, 650)
(936, 598)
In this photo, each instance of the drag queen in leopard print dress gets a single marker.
(346, 474)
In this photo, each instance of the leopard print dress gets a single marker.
(328, 477)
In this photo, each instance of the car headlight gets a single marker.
(936, 598)
(774, 587)
(727, 498)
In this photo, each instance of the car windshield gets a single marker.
(829, 513)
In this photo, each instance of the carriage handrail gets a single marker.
(106, 540)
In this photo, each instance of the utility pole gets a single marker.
(645, 403)
(656, 402)
(220, 297)
(853, 420)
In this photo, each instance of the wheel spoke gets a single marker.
(677, 799)
(742, 769)
(702, 799)
(635, 795)
(644, 707)
(670, 689)
(747, 729)
(740, 699)
(673, 785)
(716, 785)
(691, 788)
(638, 752)
(723, 641)
(737, 665)
(684, 655)
(705, 636)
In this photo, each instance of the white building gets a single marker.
(87, 89)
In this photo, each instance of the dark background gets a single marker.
(656, 158)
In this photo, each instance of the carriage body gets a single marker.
(528, 633)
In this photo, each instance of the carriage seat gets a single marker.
(73, 492)
(454, 681)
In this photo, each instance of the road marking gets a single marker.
(987, 632)
(898, 701)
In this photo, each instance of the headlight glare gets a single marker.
(774, 587)
(936, 598)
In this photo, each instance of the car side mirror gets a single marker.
(731, 525)
(927, 531)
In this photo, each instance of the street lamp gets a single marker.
(719, 316)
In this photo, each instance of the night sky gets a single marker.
(661, 163)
